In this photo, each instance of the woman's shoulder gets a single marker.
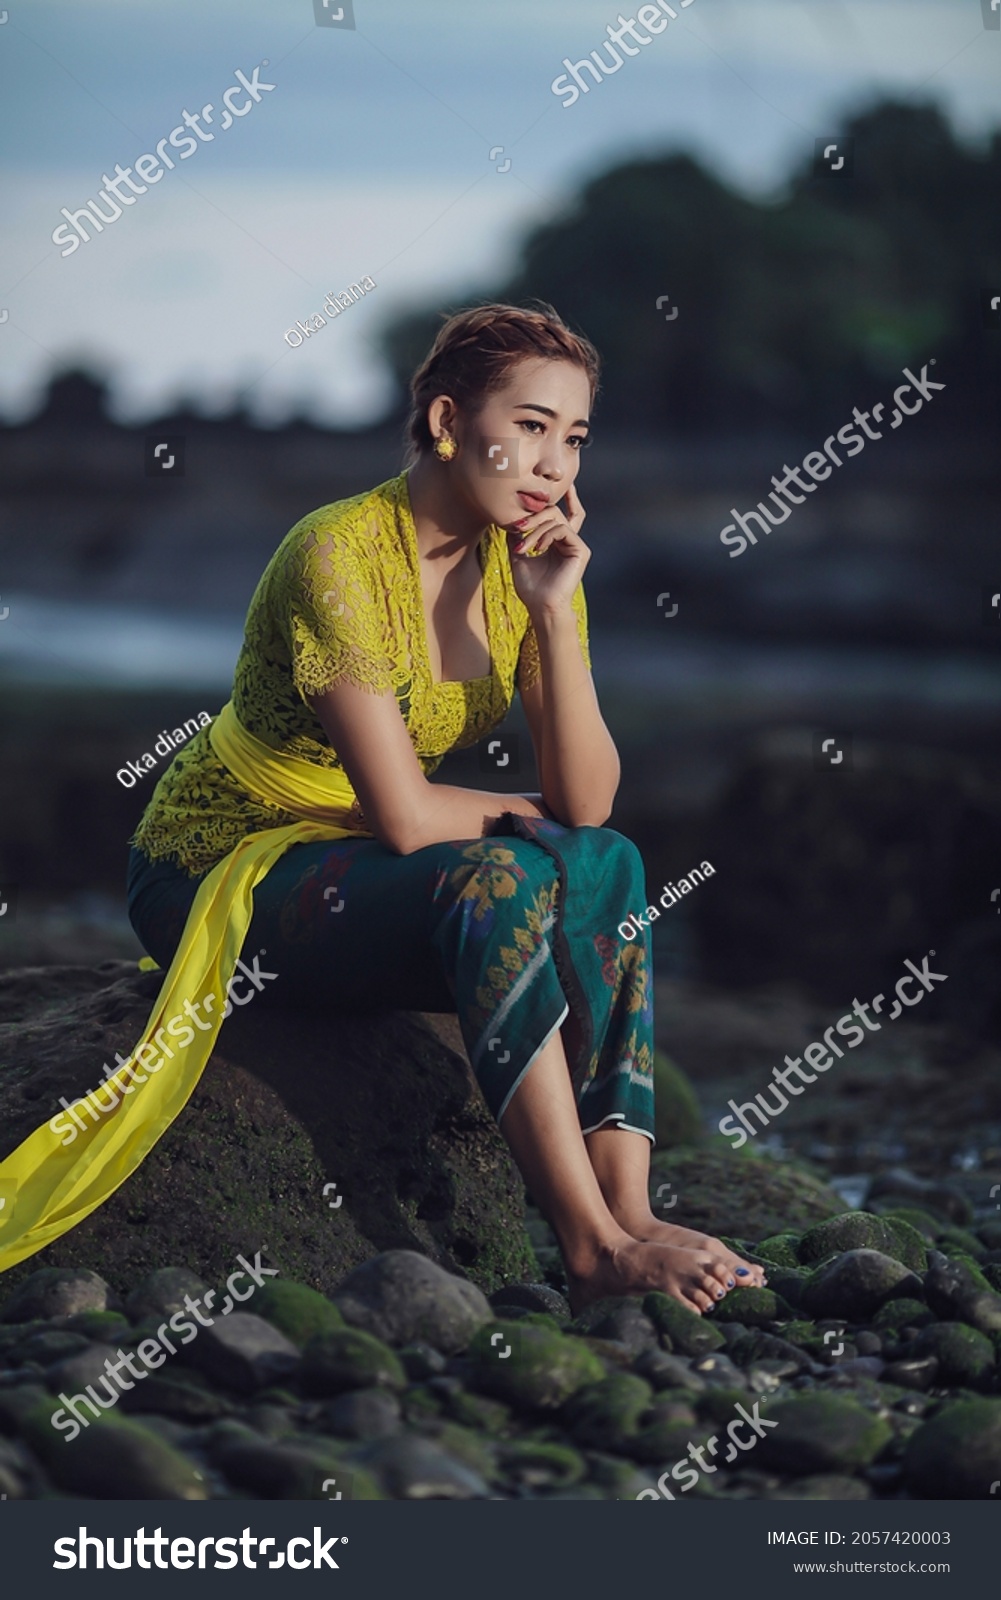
(356, 522)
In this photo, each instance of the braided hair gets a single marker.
(475, 349)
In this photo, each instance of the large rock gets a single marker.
(728, 1193)
(401, 1296)
(856, 1284)
(957, 1455)
(385, 1107)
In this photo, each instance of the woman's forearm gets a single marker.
(446, 812)
(579, 764)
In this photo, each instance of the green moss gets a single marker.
(923, 1222)
(297, 1311)
(754, 1307)
(542, 1370)
(781, 1248)
(719, 1405)
(531, 1464)
(104, 1327)
(677, 1114)
(958, 1242)
(903, 1313)
(911, 1248)
(720, 1190)
(956, 1454)
(682, 1329)
(852, 1230)
(477, 1411)
(820, 1433)
(349, 1359)
(603, 1415)
(964, 1355)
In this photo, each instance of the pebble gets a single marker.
(666, 1371)
(363, 1414)
(162, 1293)
(820, 1433)
(350, 1359)
(532, 1297)
(243, 1352)
(412, 1468)
(401, 1296)
(56, 1292)
(956, 1455)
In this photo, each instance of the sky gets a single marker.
(415, 148)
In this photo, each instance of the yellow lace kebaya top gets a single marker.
(340, 601)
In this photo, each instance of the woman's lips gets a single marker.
(533, 502)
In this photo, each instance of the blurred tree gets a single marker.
(790, 311)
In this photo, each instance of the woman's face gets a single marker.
(521, 451)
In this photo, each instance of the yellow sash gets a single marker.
(49, 1184)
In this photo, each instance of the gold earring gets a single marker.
(445, 447)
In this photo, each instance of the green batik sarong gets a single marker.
(516, 932)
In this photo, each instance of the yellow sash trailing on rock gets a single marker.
(49, 1184)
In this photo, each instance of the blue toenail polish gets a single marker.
(719, 1294)
(729, 1283)
(742, 1272)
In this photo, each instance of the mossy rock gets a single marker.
(535, 1465)
(781, 1248)
(544, 1367)
(903, 1313)
(349, 1358)
(603, 1415)
(965, 1356)
(722, 1192)
(292, 1099)
(820, 1433)
(112, 1459)
(912, 1247)
(755, 1307)
(104, 1327)
(992, 1272)
(297, 1311)
(956, 1455)
(684, 1330)
(677, 1113)
(989, 1233)
(923, 1222)
(958, 1242)
(789, 1284)
(861, 1230)
(719, 1405)
(664, 1439)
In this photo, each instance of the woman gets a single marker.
(386, 630)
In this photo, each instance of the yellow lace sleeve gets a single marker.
(337, 614)
(529, 666)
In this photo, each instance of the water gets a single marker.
(46, 641)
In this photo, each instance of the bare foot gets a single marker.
(650, 1230)
(695, 1277)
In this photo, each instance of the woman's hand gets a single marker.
(548, 556)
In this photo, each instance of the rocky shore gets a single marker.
(869, 1367)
